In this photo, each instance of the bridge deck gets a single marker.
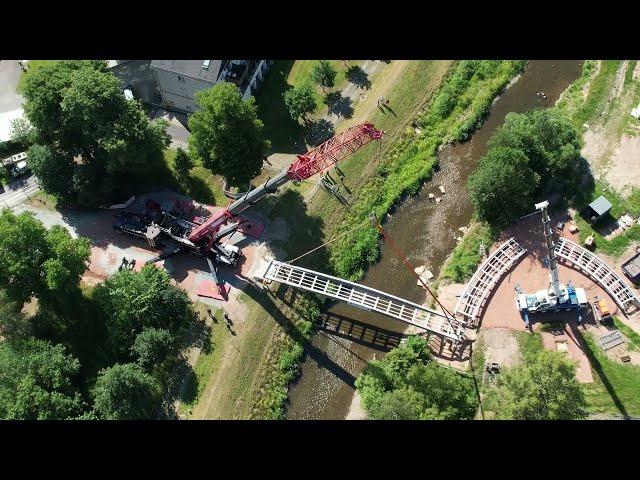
(582, 259)
(485, 278)
(362, 297)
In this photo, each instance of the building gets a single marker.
(178, 80)
(599, 208)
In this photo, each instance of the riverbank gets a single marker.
(242, 383)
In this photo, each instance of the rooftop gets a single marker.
(600, 205)
(192, 68)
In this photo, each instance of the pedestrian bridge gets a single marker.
(363, 297)
(583, 260)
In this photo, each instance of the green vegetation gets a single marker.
(527, 152)
(619, 206)
(616, 385)
(226, 134)
(324, 74)
(632, 337)
(300, 102)
(32, 67)
(408, 385)
(37, 261)
(466, 255)
(90, 142)
(126, 392)
(412, 158)
(79, 346)
(543, 387)
(37, 381)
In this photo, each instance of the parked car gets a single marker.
(20, 168)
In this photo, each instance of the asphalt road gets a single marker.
(18, 191)
(10, 73)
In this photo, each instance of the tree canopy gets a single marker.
(324, 74)
(408, 385)
(92, 133)
(503, 185)
(126, 392)
(37, 261)
(153, 347)
(182, 164)
(544, 388)
(530, 149)
(133, 301)
(37, 381)
(300, 101)
(227, 135)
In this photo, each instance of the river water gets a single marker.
(425, 232)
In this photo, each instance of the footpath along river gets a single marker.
(425, 232)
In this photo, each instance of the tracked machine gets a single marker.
(204, 239)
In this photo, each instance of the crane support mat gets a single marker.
(610, 340)
(251, 228)
(209, 289)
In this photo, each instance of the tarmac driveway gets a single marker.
(10, 73)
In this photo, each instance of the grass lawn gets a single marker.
(616, 386)
(32, 65)
(632, 337)
(207, 363)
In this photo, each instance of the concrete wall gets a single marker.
(178, 91)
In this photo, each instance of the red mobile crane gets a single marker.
(203, 239)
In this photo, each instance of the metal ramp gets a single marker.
(582, 259)
(362, 297)
(485, 278)
(610, 340)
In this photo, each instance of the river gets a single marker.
(426, 233)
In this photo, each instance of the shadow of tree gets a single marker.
(319, 131)
(339, 104)
(359, 77)
(285, 134)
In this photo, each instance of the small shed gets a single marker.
(631, 269)
(599, 208)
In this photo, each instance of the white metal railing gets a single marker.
(362, 297)
(486, 277)
(584, 260)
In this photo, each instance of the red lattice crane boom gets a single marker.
(316, 160)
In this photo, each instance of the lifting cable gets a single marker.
(324, 244)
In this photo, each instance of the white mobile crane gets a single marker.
(557, 296)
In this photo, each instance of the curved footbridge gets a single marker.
(363, 297)
(585, 261)
(477, 290)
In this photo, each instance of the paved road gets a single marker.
(10, 73)
(18, 191)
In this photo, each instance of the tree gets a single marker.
(503, 186)
(401, 404)
(54, 171)
(300, 101)
(408, 385)
(153, 347)
(544, 388)
(132, 301)
(34, 261)
(13, 324)
(22, 132)
(324, 74)
(547, 138)
(182, 164)
(226, 134)
(126, 392)
(94, 135)
(37, 382)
